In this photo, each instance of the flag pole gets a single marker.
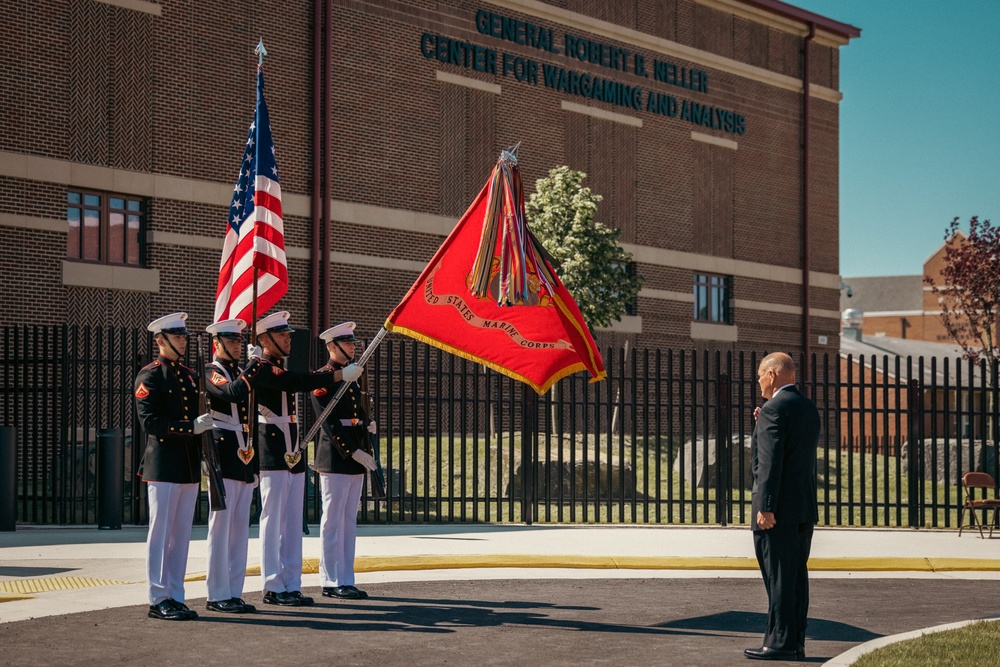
(253, 429)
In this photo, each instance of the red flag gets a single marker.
(255, 233)
(539, 341)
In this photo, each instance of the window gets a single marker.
(713, 298)
(105, 228)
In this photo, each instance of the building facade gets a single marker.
(710, 127)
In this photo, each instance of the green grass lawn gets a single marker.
(452, 477)
(977, 644)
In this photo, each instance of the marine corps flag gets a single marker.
(489, 294)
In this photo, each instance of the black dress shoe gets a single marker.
(191, 613)
(247, 608)
(166, 611)
(283, 599)
(226, 606)
(363, 595)
(302, 600)
(343, 592)
(768, 653)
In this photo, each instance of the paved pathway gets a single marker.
(699, 602)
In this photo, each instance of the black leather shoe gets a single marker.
(166, 611)
(302, 600)
(343, 592)
(247, 607)
(363, 594)
(283, 599)
(190, 613)
(767, 653)
(226, 606)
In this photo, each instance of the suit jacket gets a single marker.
(166, 401)
(783, 455)
(276, 388)
(348, 438)
(228, 397)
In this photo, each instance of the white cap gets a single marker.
(274, 322)
(343, 331)
(227, 328)
(171, 324)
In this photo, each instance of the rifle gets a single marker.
(216, 488)
(318, 424)
(377, 476)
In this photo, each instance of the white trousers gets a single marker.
(338, 530)
(171, 514)
(281, 529)
(228, 532)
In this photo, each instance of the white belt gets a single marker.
(226, 422)
(276, 420)
(350, 422)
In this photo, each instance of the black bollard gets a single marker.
(110, 466)
(8, 478)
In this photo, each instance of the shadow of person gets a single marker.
(818, 629)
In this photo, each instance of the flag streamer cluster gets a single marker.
(538, 341)
(519, 253)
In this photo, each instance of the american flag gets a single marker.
(255, 234)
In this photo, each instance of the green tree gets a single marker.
(589, 259)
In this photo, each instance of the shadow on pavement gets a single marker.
(818, 629)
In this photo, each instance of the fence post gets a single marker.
(723, 456)
(110, 467)
(914, 452)
(529, 434)
(8, 478)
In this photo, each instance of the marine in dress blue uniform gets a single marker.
(342, 462)
(228, 388)
(282, 467)
(166, 399)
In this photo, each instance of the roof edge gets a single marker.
(845, 30)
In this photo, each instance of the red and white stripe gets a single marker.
(261, 245)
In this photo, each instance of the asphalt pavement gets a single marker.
(503, 595)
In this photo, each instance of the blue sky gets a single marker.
(919, 126)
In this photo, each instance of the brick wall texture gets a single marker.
(172, 94)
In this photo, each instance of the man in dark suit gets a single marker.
(783, 453)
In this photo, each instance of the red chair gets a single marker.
(978, 480)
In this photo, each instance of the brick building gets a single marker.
(901, 306)
(124, 120)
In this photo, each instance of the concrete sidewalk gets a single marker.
(59, 570)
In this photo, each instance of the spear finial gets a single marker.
(261, 52)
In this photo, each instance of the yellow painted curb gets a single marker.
(469, 561)
(13, 597)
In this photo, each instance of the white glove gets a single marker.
(256, 481)
(202, 423)
(372, 428)
(351, 373)
(254, 351)
(364, 458)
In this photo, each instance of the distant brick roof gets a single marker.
(882, 293)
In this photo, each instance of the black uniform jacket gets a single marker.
(166, 401)
(783, 454)
(275, 395)
(349, 438)
(228, 391)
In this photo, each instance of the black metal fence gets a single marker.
(664, 439)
